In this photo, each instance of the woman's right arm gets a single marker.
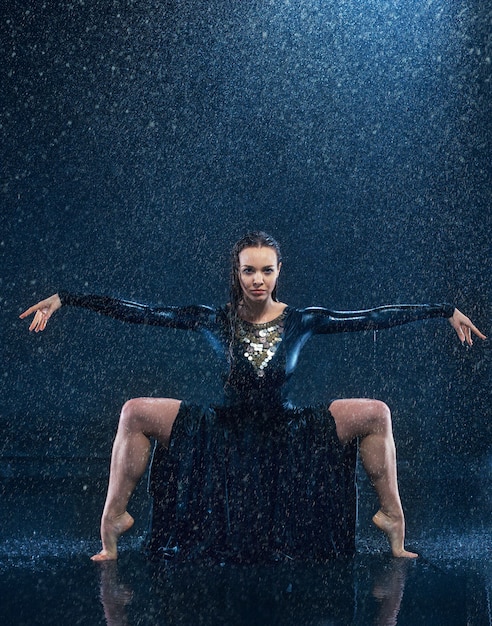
(187, 317)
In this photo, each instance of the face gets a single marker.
(258, 272)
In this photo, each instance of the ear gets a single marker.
(279, 266)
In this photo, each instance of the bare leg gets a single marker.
(371, 421)
(140, 419)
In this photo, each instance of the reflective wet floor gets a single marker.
(47, 535)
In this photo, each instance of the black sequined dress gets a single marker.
(255, 479)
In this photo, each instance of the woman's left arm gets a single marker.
(464, 327)
(321, 320)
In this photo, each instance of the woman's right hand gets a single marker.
(43, 311)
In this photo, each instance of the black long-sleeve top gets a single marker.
(260, 357)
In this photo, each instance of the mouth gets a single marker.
(258, 292)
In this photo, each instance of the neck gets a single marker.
(257, 311)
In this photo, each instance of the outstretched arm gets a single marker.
(187, 318)
(320, 320)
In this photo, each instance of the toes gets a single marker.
(407, 555)
(103, 556)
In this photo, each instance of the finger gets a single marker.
(28, 312)
(33, 324)
(38, 318)
(477, 332)
(460, 333)
(42, 322)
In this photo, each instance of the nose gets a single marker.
(258, 278)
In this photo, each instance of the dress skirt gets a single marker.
(253, 486)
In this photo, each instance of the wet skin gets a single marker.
(258, 273)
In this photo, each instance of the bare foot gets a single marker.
(111, 529)
(395, 531)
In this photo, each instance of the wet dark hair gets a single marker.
(256, 239)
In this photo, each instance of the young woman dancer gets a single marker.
(258, 339)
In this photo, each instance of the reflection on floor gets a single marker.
(46, 577)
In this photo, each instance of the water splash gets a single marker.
(38, 553)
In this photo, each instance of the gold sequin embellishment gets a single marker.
(261, 341)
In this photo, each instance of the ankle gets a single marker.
(393, 515)
(110, 517)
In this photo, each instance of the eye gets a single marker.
(268, 270)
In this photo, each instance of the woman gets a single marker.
(259, 338)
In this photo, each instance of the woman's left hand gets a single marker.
(464, 327)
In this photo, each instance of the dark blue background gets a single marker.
(140, 139)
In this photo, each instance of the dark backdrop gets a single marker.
(140, 139)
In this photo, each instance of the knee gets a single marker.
(130, 414)
(380, 416)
